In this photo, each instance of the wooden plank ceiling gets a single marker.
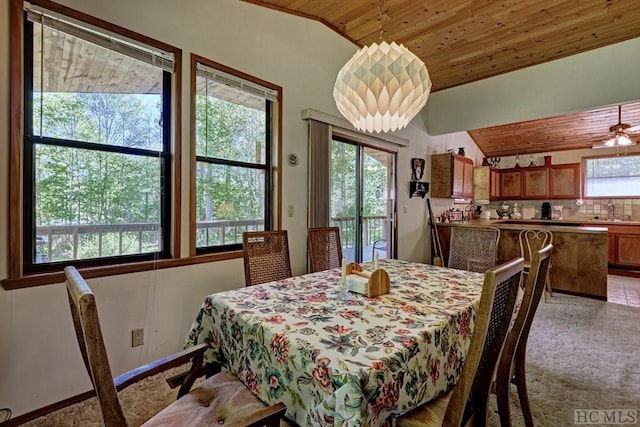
(568, 132)
(461, 41)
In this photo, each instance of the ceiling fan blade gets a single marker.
(633, 129)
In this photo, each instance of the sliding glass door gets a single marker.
(363, 199)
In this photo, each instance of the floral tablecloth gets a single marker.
(334, 361)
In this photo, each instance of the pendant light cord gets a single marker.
(381, 12)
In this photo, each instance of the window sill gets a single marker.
(112, 270)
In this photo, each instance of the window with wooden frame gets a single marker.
(612, 176)
(233, 134)
(95, 141)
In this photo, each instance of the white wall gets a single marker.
(592, 79)
(39, 360)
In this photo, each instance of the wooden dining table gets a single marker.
(336, 358)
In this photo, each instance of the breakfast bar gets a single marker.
(579, 260)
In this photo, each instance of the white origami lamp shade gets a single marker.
(382, 87)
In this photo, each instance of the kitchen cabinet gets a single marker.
(578, 262)
(540, 182)
(486, 183)
(494, 184)
(451, 176)
(535, 182)
(624, 245)
(612, 248)
(564, 181)
(467, 181)
(511, 183)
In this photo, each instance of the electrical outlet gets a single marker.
(137, 337)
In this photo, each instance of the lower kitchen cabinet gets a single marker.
(624, 246)
(578, 261)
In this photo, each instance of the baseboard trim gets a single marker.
(621, 272)
(30, 416)
(579, 294)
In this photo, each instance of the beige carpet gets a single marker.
(582, 354)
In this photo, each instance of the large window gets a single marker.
(612, 176)
(233, 152)
(97, 164)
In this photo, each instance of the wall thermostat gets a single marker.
(293, 159)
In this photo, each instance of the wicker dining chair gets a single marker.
(325, 248)
(219, 399)
(469, 396)
(511, 367)
(473, 248)
(532, 241)
(266, 256)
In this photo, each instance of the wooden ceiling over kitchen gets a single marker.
(462, 41)
(568, 132)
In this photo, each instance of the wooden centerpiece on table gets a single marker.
(367, 283)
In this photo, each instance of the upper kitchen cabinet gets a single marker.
(486, 183)
(535, 182)
(564, 181)
(494, 182)
(451, 176)
(511, 183)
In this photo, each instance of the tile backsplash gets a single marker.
(624, 208)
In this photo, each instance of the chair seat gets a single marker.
(219, 400)
(429, 414)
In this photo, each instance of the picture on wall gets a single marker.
(418, 189)
(417, 169)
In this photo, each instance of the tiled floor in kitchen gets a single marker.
(623, 290)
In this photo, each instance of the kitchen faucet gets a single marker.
(611, 207)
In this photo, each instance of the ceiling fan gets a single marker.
(619, 134)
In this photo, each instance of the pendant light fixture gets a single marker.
(382, 87)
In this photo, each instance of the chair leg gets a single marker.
(520, 380)
(502, 398)
(549, 285)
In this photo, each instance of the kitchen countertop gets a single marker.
(572, 221)
(519, 224)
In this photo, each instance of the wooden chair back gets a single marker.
(473, 248)
(512, 360)
(94, 353)
(266, 256)
(325, 248)
(216, 400)
(471, 393)
(531, 241)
